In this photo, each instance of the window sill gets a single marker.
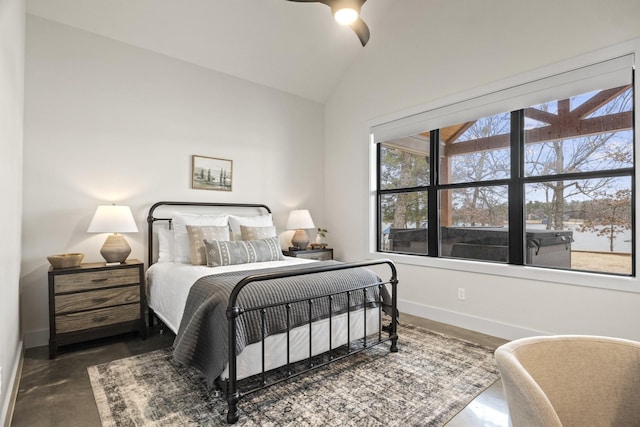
(547, 275)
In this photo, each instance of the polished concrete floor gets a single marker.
(58, 393)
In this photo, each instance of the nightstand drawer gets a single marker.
(96, 279)
(95, 318)
(97, 299)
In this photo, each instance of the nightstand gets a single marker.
(94, 301)
(317, 254)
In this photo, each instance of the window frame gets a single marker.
(516, 266)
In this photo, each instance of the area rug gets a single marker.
(430, 379)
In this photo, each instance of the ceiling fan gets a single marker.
(346, 12)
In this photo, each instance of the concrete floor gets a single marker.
(58, 392)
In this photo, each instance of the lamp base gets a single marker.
(300, 239)
(115, 249)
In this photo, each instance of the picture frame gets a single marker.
(211, 173)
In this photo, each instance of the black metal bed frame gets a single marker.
(231, 386)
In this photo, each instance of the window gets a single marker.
(587, 141)
(404, 175)
(548, 184)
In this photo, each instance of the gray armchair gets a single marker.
(571, 380)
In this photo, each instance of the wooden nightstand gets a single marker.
(94, 301)
(317, 254)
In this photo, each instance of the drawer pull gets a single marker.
(100, 300)
(98, 319)
(104, 279)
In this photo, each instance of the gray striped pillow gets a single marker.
(242, 252)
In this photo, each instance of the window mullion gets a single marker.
(516, 190)
(432, 194)
(633, 175)
(378, 197)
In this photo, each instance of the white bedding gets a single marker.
(168, 286)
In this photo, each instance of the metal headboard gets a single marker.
(151, 219)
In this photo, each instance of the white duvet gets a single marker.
(168, 284)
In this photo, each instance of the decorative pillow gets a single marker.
(180, 221)
(198, 234)
(257, 233)
(165, 245)
(250, 221)
(242, 252)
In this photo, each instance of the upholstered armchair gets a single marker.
(571, 380)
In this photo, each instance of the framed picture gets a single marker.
(210, 173)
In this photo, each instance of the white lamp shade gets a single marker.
(299, 219)
(113, 219)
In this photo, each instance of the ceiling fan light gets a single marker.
(346, 16)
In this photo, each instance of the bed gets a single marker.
(247, 316)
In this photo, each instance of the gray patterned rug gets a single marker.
(427, 382)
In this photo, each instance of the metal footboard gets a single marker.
(234, 311)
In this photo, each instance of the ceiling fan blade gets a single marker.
(358, 26)
(361, 30)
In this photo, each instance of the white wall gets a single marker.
(105, 121)
(428, 51)
(12, 45)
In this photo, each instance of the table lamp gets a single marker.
(299, 220)
(114, 219)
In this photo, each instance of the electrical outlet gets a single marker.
(461, 294)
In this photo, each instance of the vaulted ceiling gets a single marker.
(294, 47)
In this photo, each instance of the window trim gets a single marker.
(528, 272)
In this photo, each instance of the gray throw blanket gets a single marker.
(202, 339)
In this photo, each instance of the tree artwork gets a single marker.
(209, 173)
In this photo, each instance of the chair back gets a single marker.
(571, 380)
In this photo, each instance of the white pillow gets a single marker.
(180, 221)
(250, 221)
(165, 245)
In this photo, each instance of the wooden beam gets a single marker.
(598, 100)
(541, 116)
(481, 144)
(572, 129)
(446, 210)
(458, 133)
(593, 126)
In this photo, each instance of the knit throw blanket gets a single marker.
(202, 339)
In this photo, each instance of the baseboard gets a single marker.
(466, 321)
(9, 401)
